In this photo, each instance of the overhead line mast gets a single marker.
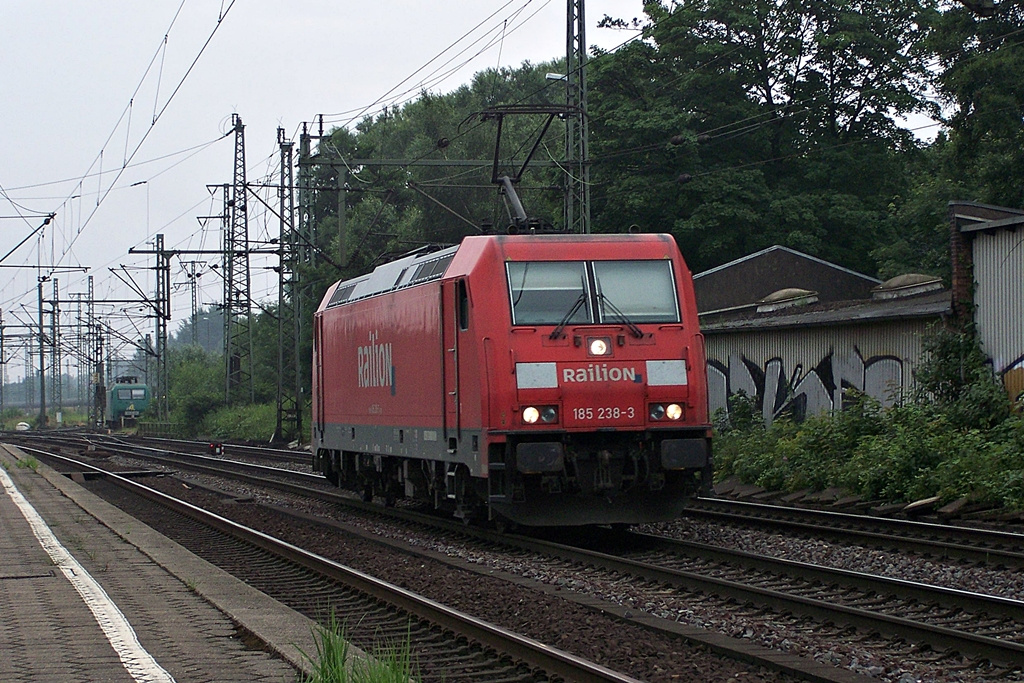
(289, 304)
(577, 130)
(237, 307)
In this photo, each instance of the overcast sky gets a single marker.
(114, 117)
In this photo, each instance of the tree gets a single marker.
(981, 82)
(915, 238)
(783, 116)
(195, 385)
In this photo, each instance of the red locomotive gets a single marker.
(544, 380)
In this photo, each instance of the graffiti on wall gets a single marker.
(1013, 379)
(801, 391)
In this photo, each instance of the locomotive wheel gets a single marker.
(503, 525)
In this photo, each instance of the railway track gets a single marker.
(971, 544)
(667, 575)
(227, 450)
(983, 626)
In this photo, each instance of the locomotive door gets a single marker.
(318, 376)
(452, 294)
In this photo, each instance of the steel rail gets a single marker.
(944, 637)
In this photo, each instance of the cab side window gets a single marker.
(462, 296)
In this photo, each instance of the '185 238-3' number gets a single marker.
(613, 413)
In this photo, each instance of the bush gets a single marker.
(887, 463)
(957, 377)
(195, 378)
(254, 422)
(987, 467)
(791, 456)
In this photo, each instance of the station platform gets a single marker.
(88, 593)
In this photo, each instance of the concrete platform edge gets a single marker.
(283, 630)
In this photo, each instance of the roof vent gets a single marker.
(909, 284)
(786, 298)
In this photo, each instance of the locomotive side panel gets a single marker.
(380, 375)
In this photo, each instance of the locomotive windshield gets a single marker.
(130, 394)
(543, 292)
(549, 292)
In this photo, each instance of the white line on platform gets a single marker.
(136, 660)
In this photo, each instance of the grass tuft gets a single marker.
(332, 664)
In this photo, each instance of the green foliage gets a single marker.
(12, 416)
(743, 414)
(988, 467)
(889, 463)
(979, 82)
(958, 377)
(28, 463)
(252, 422)
(330, 663)
(915, 236)
(195, 386)
(785, 115)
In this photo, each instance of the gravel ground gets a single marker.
(628, 648)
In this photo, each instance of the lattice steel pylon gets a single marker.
(56, 381)
(289, 306)
(163, 316)
(307, 225)
(97, 385)
(577, 131)
(237, 306)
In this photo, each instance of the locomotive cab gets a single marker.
(609, 415)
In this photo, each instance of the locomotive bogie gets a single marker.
(544, 380)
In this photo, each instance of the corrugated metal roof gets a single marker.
(1011, 223)
(934, 304)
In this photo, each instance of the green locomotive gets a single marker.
(127, 399)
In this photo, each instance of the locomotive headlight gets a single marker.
(672, 411)
(599, 346)
(546, 414)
